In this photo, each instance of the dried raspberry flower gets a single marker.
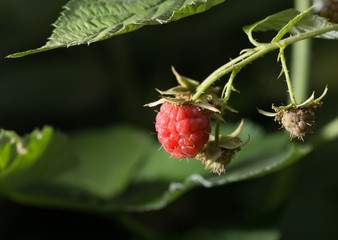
(216, 155)
(298, 119)
(327, 9)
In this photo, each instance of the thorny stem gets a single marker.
(228, 89)
(287, 76)
(225, 101)
(252, 54)
(228, 67)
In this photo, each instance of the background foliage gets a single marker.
(104, 87)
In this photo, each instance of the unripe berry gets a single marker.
(182, 130)
(221, 155)
(328, 9)
(297, 121)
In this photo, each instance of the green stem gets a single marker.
(242, 60)
(287, 76)
(228, 67)
(228, 90)
(225, 101)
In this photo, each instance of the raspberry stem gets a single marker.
(252, 54)
(225, 101)
(287, 76)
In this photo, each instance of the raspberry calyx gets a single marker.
(216, 155)
(183, 130)
(297, 119)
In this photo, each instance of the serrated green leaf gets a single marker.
(87, 21)
(277, 21)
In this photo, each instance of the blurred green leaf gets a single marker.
(119, 168)
(79, 171)
(170, 178)
(309, 22)
(33, 158)
(17, 154)
(87, 21)
(20, 158)
(108, 159)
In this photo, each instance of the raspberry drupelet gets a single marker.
(182, 130)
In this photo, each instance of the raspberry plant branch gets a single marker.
(252, 54)
(225, 96)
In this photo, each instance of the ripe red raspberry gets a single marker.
(182, 130)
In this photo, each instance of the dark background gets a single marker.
(110, 81)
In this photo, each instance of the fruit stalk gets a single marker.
(225, 101)
(287, 76)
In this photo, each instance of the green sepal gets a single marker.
(153, 104)
(218, 117)
(185, 82)
(212, 153)
(231, 109)
(213, 98)
(321, 96)
(238, 130)
(165, 99)
(308, 102)
(207, 106)
(228, 142)
(265, 113)
(311, 101)
(174, 91)
(282, 107)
